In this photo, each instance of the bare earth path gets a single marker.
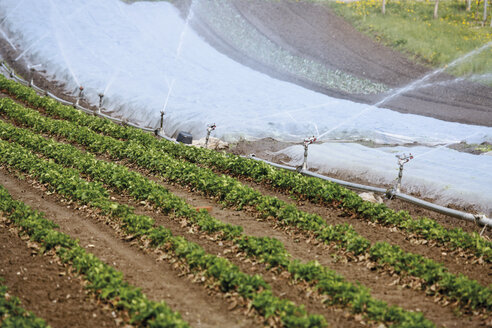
(45, 289)
(311, 30)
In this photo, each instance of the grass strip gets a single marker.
(227, 277)
(434, 275)
(12, 315)
(315, 190)
(409, 26)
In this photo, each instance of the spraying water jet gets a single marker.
(411, 86)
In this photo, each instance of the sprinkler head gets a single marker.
(309, 141)
(81, 88)
(404, 158)
(101, 95)
(211, 127)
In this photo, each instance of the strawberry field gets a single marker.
(111, 215)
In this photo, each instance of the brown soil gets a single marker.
(45, 288)
(298, 246)
(158, 280)
(383, 286)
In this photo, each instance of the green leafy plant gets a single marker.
(103, 280)
(266, 249)
(342, 233)
(108, 282)
(313, 189)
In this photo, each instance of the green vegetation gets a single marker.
(266, 250)
(233, 193)
(226, 276)
(103, 280)
(483, 148)
(313, 189)
(409, 26)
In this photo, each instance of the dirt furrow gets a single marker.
(383, 286)
(453, 260)
(408, 299)
(45, 288)
(158, 280)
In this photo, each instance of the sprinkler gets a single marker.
(402, 160)
(31, 80)
(81, 94)
(210, 128)
(161, 129)
(306, 143)
(101, 96)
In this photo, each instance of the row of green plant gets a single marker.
(234, 193)
(267, 250)
(316, 190)
(103, 280)
(12, 315)
(225, 275)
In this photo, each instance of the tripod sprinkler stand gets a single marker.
(31, 80)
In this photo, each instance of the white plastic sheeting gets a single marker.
(143, 56)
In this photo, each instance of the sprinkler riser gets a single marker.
(101, 96)
(210, 128)
(81, 92)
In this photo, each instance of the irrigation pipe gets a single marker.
(477, 218)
